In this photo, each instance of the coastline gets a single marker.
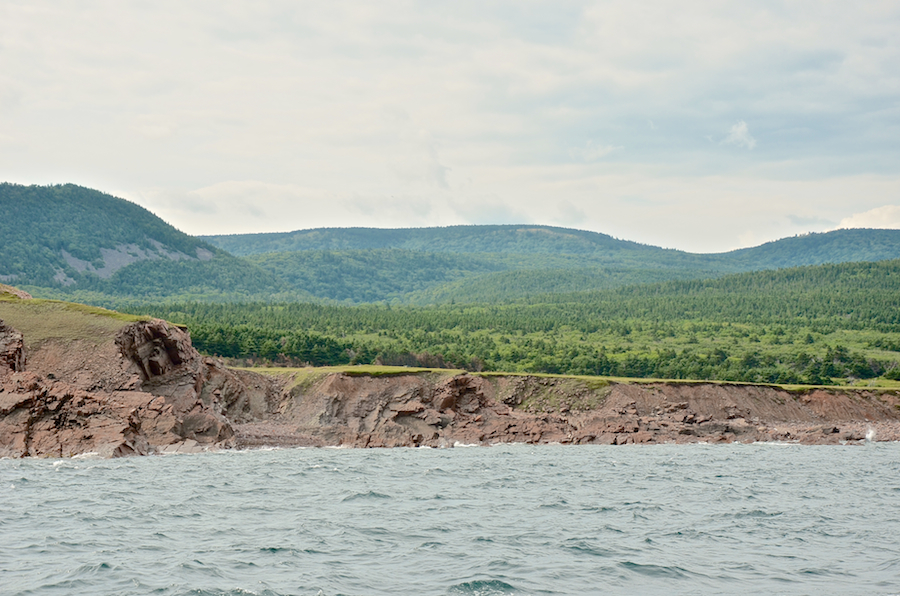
(140, 388)
(434, 410)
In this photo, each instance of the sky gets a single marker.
(704, 125)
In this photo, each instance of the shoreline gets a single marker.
(427, 409)
(141, 388)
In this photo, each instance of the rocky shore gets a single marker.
(442, 411)
(145, 390)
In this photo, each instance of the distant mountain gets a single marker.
(498, 263)
(74, 239)
(838, 246)
(76, 243)
(517, 239)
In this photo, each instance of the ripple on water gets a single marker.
(483, 588)
(668, 519)
(368, 495)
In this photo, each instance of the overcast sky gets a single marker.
(704, 126)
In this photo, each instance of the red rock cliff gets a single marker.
(151, 392)
(434, 410)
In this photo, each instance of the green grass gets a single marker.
(308, 376)
(45, 320)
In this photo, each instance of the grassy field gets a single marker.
(44, 320)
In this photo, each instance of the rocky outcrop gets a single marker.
(150, 391)
(12, 350)
(433, 410)
(12, 291)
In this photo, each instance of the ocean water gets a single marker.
(515, 519)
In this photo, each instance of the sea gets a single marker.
(509, 519)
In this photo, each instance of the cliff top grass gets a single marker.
(307, 376)
(45, 320)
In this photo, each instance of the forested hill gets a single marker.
(520, 239)
(74, 239)
(76, 243)
(501, 263)
(838, 246)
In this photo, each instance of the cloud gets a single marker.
(247, 116)
(739, 135)
(570, 215)
(153, 126)
(593, 152)
(887, 216)
(809, 220)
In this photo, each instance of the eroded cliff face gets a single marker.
(430, 410)
(149, 391)
(12, 350)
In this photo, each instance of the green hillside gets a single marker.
(76, 243)
(70, 241)
(520, 239)
(516, 284)
(838, 246)
(501, 263)
(820, 324)
(376, 275)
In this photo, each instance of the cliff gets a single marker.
(77, 380)
(439, 410)
(140, 390)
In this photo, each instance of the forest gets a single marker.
(814, 325)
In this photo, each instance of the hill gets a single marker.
(73, 241)
(520, 239)
(80, 244)
(501, 263)
(837, 246)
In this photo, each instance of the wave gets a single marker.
(367, 495)
(484, 588)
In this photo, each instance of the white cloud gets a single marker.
(739, 134)
(153, 126)
(244, 116)
(593, 152)
(887, 216)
